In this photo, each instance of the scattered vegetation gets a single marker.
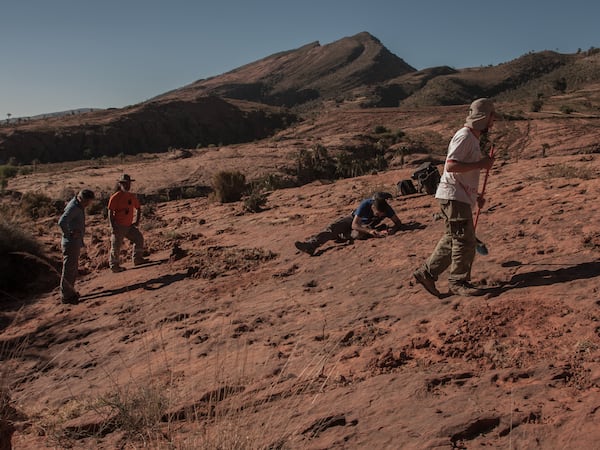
(255, 201)
(536, 105)
(565, 171)
(565, 109)
(317, 163)
(11, 170)
(229, 186)
(137, 410)
(22, 260)
(38, 204)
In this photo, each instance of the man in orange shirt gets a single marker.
(124, 215)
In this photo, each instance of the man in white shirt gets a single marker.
(458, 194)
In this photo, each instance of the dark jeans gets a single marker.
(340, 229)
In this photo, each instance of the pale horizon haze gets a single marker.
(69, 54)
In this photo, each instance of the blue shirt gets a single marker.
(367, 216)
(72, 223)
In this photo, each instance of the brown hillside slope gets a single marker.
(308, 73)
(242, 340)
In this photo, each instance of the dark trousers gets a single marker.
(70, 267)
(341, 229)
(119, 233)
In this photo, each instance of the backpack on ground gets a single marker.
(427, 177)
(406, 187)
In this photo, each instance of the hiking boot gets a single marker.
(427, 282)
(465, 289)
(140, 261)
(117, 269)
(305, 247)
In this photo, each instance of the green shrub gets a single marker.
(229, 186)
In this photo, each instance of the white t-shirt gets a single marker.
(463, 187)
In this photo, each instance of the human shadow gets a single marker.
(412, 225)
(149, 285)
(582, 271)
(149, 264)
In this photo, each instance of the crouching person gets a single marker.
(363, 223)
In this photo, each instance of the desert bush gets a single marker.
(98, 206)
(313, 164)
(316, 163)
(21, 258)
(229, 186)
(38, 204)
(349, 165)
(137, 410)
(192, 192)
(564, 171)
(560, 84)
(8, 171)
(380, 129)
(536, 105)
(255, 201)
(271, 182)
(565, 109)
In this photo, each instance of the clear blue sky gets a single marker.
(57, 55)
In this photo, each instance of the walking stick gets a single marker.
(481, 247)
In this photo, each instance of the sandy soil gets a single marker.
(244, 340)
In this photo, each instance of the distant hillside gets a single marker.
(149, 127)
(253, 101)
(524, 78)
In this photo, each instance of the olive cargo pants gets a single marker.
(456, 248)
